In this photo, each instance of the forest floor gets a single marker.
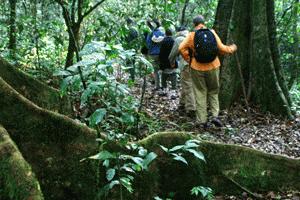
(261, 131)
(254, 129)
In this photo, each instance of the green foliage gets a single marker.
(178, 152)
(287, 18)
(104, 68)
(190, 146)
(206, 192)
(295, 94)
(121, 168)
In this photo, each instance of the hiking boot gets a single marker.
(181, 107)
(191, 114)
(205, 125)
(173, 94)
(162, 93)
(217, 122)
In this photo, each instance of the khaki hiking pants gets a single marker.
(206, 88)
(187, 94)
(155, 62)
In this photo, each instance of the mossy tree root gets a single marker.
(229, 169)
(53, 144)
(34, 90)
(17, 181)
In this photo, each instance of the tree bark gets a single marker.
(182, 20)
(12, 44)
(39, 93)
(267, 91)
(251, 25)
(74, 38)
(17, 180)
(53, 144)
(275, 50)
(74, 25)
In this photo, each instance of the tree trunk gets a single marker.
(17, 180)
(252, 28)
(36, 34)
(73, 44)
(39, 93)
(275, 50)
(182, 20)
(12, 44)
(53, 144)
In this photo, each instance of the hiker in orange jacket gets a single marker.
(205, 74)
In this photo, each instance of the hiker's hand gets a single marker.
(233, 47)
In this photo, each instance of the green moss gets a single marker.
(34, 90)
(254, 170)
(53, 144)
(17, 180)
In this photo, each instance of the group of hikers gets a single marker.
(195, 54)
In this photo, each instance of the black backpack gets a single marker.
(206, 48)
(165, 50)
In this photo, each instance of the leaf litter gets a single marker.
(251, 128)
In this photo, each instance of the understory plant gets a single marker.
(101, 78)
(179, 152)
(121, 168)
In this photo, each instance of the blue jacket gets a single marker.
(154, 47)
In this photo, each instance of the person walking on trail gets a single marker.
(168, 71)
(153, 41)
(187, 97)
(200, 49)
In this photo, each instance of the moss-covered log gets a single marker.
(17, 181)
(229, 169)
(53, 144)
(34, 90)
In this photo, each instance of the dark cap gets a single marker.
(198, 20)
(180, 28)
(169, 32)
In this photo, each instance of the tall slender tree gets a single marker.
(74, 12)
(12, 44)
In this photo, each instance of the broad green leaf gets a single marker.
(137, 160)
(110, 174)
(176, 148)
(142, 152)
(191, 144)
(164, 148)
(128, 169)
(197, 154)
(149, 158)
(126, 182)
(103, 155)
(62, 73)
(113, 183)
(179, 158)
(106, 163)
(97, 116)
(205, 191)
(127, 118)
